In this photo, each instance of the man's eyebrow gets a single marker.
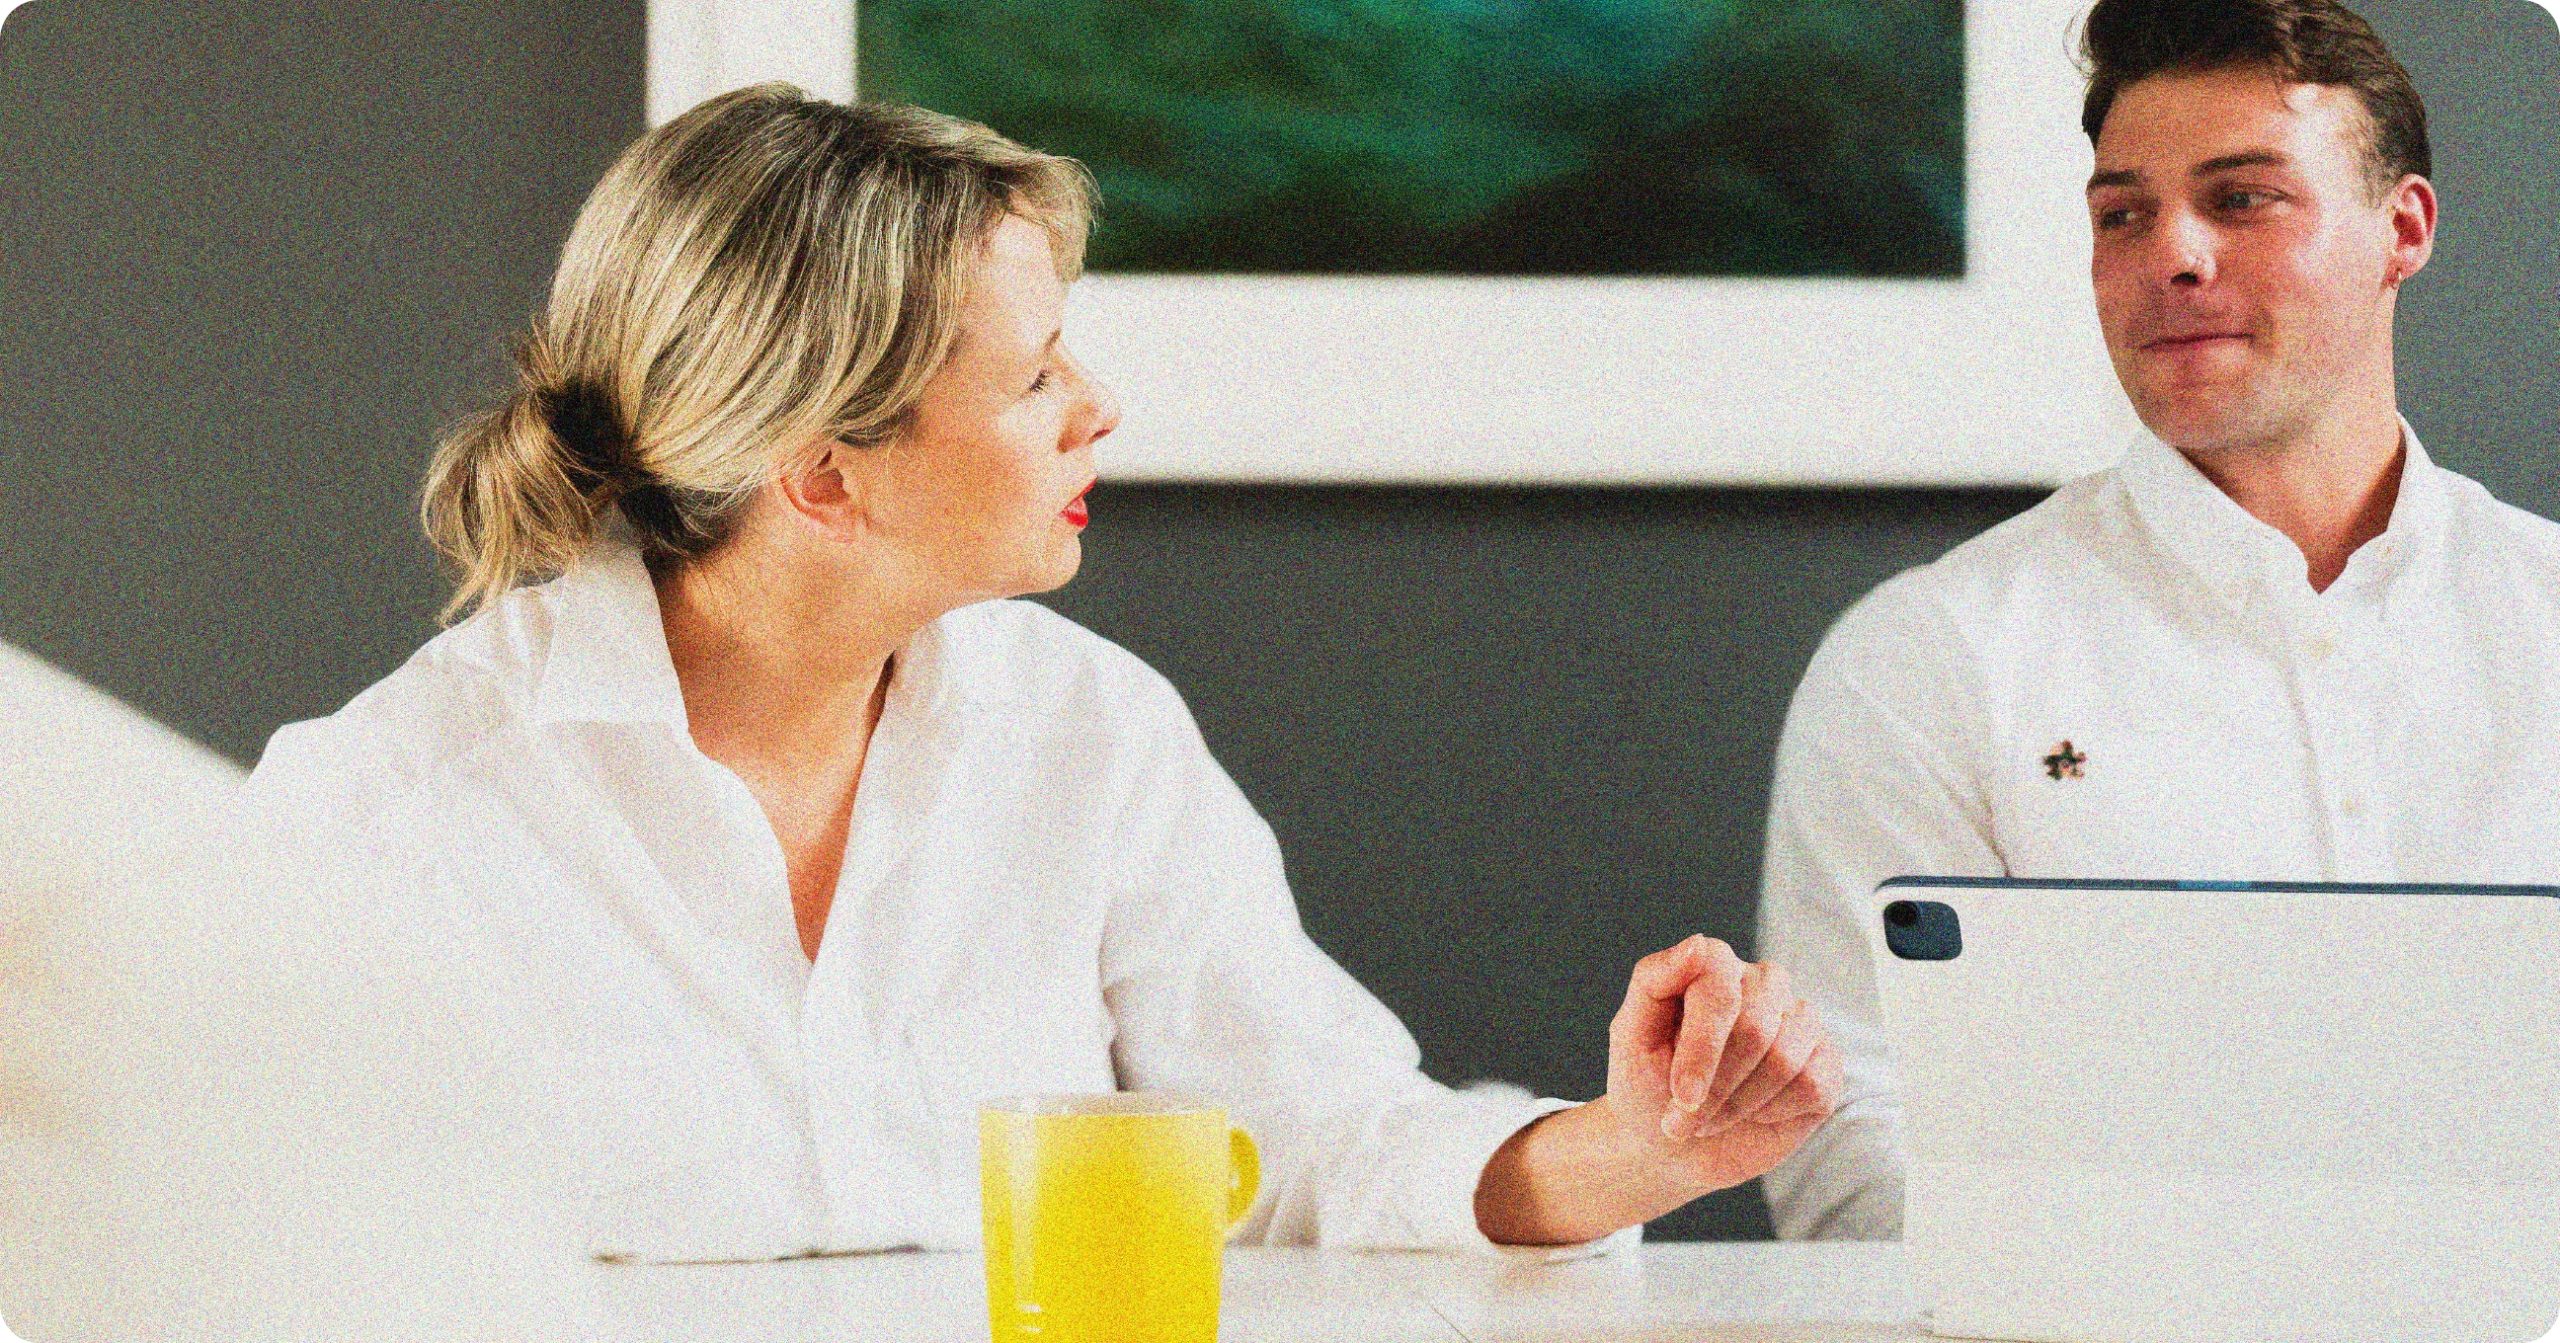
(2255, 158)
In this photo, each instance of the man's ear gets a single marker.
(2412, 207)
(828, 488)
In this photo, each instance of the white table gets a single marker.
(1695, 1293)
(304, 1279)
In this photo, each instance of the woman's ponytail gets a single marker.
(508, 497)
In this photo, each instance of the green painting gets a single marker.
(1471, 137)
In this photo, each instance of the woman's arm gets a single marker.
(1716, 1073)
(1214, 987)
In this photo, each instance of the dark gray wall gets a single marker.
(1510, 740)
(253, 255)
(2480, 329)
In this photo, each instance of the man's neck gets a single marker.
(2330, 492)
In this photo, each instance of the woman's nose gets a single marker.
(1104, 416)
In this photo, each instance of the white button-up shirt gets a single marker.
(2135, 679)
(1049, 885)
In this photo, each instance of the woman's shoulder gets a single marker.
(459, 690)
(1022, 656)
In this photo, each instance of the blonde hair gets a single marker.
(766, 272)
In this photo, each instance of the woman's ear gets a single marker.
(829, 488)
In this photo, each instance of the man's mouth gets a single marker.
(2194, 341)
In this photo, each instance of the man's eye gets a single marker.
(2244, 200)
(2114, 219)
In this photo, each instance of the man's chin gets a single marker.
(2205, 419)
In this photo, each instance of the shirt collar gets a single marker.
(2237, 555)
(608, 660)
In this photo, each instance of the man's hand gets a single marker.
(1716, 1065)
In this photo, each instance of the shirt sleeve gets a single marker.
(1214, 987)
(1873, 781)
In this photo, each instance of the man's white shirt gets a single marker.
(1050, 886)
(2135, 679)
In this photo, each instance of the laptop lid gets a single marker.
(2146, 1112)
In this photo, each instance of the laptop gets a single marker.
(2214, 1112)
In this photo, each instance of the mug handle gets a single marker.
(1244, 1178)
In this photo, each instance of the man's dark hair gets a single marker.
(2304, 41)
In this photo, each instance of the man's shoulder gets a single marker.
(2488, 522)
(2021, 560)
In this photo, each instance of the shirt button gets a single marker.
(2320, 646)
(2350, 806)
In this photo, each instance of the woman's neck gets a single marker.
(784, 672)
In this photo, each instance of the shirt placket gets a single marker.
(863, 1194)
(2338, 715)
(757, 926)
(871, 1188)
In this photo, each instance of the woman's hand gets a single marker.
(1716, 1066)
(1716, 1072)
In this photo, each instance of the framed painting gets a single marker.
(1712, 242)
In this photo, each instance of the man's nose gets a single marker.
(2184, 255)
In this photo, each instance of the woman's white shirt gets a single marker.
(1049, 885)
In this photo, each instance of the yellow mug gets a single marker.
(1106, 1215)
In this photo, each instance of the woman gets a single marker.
(793, 841)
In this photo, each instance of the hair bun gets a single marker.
(584, 422)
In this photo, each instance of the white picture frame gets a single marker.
(699, 49)
(1996, 379)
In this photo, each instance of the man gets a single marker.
(2277, 642)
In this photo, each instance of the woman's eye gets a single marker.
(1040, 383)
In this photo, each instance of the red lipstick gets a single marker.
(1076, 513)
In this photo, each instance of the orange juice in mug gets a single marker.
(1106, 1215)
